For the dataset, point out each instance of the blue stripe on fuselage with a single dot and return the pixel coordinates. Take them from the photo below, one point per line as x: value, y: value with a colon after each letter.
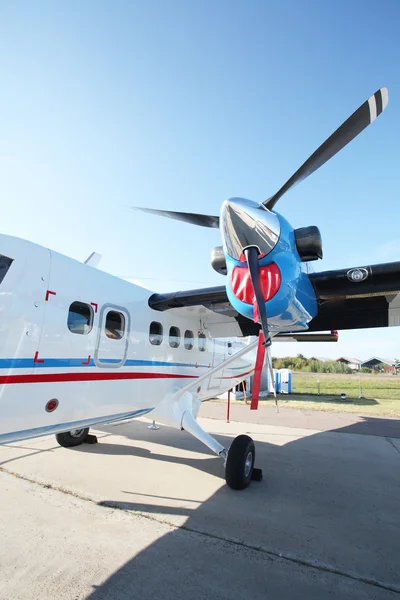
x: 28, y: 363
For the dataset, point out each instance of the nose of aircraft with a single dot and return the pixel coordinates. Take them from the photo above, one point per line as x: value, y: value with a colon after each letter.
x: 245, y: 223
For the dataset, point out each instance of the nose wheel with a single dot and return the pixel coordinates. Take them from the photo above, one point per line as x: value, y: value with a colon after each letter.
x: 240, y: 462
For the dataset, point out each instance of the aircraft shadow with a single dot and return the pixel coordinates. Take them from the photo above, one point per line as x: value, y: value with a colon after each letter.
x: 322, y: 522
x: 212, y: 465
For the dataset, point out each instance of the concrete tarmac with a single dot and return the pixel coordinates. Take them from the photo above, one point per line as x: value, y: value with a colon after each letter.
x: 145, y: 514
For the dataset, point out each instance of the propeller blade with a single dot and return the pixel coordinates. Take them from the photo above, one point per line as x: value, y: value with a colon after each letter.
x: 193, y: 218
x: 354, y: 125
x: 251, y: 254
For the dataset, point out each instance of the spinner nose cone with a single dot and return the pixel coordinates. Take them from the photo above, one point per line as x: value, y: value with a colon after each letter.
x: 245, y: 223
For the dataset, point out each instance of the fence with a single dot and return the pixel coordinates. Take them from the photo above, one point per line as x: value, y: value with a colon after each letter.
x: 355, y: 385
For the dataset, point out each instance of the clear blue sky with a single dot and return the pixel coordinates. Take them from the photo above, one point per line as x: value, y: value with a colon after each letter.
x: 182, y: 104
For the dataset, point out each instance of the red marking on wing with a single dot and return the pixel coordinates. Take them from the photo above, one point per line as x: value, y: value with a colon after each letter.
x: 36, y: 358
x: 50, y: 293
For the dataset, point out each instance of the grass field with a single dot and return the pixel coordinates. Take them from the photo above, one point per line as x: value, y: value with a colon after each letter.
x: 380, y: 393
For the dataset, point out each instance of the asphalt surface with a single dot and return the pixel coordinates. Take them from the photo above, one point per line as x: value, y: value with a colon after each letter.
x: 305, y: 419
x: 146, y: 514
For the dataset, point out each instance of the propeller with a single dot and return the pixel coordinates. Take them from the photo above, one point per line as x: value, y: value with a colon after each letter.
x: 251, y: 230
x: 251, y: 254
x: 260, y: 312
x: 193, y: 218
x: 350, y: 129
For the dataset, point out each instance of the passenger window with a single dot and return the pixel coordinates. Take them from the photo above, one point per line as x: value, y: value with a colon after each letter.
x: 115, y: 325
x: 80, y: 318
x: 174, y: 337
x: 202, y: 342
x: 156, y: 333
x: 188, y: 339
x: 229, y: 347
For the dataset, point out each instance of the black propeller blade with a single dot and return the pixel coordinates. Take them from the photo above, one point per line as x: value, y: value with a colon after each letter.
x: 251, y: 253
x: 358, y: 121
x: 264, y: 341
x: 193, y: 218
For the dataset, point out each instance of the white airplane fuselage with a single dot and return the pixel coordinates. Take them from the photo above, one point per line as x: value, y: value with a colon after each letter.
x: 56, y: 377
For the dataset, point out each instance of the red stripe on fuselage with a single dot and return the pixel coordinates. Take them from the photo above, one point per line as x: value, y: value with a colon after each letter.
x: 65, y: 377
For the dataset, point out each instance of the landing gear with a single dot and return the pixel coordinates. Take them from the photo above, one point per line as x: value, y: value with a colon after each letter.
x: 240, y: 462
x: 76, y: 437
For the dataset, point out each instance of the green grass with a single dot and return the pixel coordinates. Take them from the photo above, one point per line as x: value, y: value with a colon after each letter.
x: 380, y: 393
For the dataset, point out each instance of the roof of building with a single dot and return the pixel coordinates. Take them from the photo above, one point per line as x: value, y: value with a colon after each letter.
x: 386, y: 361
x: 355, y: 361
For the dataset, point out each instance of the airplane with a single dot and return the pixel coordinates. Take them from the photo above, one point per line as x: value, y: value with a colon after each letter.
x: 80, y: 347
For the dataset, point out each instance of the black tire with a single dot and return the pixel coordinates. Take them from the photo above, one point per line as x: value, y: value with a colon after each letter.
x: 72, y: 438
x: 240, y: 462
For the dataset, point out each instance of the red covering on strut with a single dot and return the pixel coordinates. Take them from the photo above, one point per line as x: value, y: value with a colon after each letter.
x: 257, y: 372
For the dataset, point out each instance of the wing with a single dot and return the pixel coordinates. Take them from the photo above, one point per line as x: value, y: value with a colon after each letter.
x: 213, y: 307
x: 356, y: 298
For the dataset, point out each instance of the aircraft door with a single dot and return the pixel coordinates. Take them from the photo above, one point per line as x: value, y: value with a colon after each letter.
x: 112, y: 337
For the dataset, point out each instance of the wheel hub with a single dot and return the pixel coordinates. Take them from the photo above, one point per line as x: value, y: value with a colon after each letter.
x: 76, y: 433
x: 248, y: 463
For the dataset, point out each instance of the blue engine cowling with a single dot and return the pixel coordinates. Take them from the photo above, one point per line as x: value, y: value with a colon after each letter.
x: 294, y: 304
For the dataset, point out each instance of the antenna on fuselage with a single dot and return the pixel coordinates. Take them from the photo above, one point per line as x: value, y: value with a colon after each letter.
x: 93, y: 260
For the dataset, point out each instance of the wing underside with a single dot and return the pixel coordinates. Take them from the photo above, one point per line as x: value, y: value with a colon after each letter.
x: 356, y: 298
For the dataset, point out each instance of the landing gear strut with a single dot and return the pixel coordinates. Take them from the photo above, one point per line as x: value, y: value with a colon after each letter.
x: 239, y: 459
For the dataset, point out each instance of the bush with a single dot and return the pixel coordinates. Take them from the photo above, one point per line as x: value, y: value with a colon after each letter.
x: 301, y: 363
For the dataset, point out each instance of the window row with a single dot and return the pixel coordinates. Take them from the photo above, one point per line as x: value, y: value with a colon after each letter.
x: 156, y: 337
x: 81, y: 316
x: 80, y: 321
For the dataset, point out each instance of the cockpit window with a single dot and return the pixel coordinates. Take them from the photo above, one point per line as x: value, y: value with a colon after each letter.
x: 5, y: 264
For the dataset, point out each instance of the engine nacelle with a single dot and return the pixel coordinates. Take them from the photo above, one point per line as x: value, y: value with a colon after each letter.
x: 218, y: 261
x: 308, y: 243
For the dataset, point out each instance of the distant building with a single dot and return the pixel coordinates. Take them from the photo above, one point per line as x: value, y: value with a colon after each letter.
x: 352, y: 363
x: 379, y: 364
